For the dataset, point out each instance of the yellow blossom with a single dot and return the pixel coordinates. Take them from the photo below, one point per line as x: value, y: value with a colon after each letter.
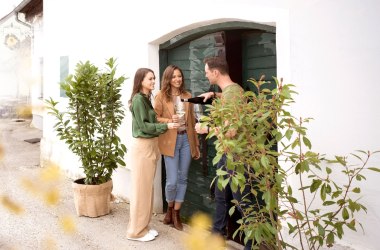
x: 30, y: 186
x: 51, y: 197
x: 200, y: 237
x: 51, y: 173
x: 68, y: 224
x: 11, y: 205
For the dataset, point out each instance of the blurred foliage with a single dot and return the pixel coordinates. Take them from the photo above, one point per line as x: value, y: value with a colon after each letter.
x: 24, y: 111
x: 11, y: 205
x: 68, y: 224
x: 46, y: 184
x: 199, y: 237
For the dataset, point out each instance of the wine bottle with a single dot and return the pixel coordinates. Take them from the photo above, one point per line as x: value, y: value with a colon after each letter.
x: 198, y: 100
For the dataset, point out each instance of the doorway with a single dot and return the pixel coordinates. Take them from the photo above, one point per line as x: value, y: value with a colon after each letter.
x: 250, y: 50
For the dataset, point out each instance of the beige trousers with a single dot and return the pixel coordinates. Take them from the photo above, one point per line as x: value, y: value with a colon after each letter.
x: 145, y: 154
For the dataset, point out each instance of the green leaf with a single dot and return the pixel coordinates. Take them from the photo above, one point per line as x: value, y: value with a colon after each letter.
x: 221, y: 172
x: 232, y: 210
x: 216, y: 159
x: 345, y: 214
x: 358, y: 157
x: 321, y: 230
x: 323, y: 192
x: 290, y: 191
x: 374, y: 169
x: 288, y: 134
x: 341, y: 160
x: 121, y: 162
x: 339, y: 230
x: 356, y: 190
x: 264, y: 161
x: 315, y: 185
x: 306, y: 142
x: 328, y: 203
x: 292, y: 199
x: 358, y: 177
x: 330, y: 239
x: 258, y: 234
x: 295, y: 143
x: 291, y: 228
x: 225, y: 182
x: 328, y: 170
x: 351, y: 225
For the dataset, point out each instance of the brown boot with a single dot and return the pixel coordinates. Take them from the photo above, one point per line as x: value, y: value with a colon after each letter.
x: 168, y: 216
x: 177, y: 220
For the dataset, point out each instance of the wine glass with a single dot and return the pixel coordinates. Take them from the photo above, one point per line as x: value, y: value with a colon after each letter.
x: 198, y: 111
x: 180, y: 111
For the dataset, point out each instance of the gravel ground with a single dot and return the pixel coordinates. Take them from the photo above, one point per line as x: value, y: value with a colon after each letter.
x: 39, y: 225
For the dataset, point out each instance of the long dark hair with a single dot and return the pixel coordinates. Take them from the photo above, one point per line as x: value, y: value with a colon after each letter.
x: 165, y: 82
x: 137, y: 82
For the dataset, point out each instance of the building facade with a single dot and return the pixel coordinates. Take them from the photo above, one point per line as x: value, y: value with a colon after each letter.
x: 328, y: 49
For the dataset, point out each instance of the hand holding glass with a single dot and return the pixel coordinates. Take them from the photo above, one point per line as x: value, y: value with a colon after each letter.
x: 180, y: 111
x: 198, y: 111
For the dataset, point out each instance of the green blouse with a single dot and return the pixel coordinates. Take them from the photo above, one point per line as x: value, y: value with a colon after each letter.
x: 144, y: 118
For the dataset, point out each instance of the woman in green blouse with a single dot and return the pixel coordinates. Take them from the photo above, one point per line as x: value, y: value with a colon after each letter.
x: 145, y: 154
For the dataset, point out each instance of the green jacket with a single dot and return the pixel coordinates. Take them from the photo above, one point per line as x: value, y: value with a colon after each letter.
x: 144, y: 119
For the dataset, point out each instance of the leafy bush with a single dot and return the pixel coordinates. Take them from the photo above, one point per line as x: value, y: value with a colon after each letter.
x: 94, y: 113
x: 275, y: 147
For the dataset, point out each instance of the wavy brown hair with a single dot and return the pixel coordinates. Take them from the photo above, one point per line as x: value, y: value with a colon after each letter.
x: 137, y: 82
x: 165, y: 82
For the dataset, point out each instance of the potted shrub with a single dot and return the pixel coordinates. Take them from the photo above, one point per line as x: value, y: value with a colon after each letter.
x: 89, y: 127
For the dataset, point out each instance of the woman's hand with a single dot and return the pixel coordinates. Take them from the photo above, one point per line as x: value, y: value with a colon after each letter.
x: 200, y: 129
x: 175, y: 118
x: 197, y: 153
x: 173, y: 125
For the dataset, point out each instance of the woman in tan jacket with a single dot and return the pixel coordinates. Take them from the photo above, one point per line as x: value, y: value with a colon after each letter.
x: 177, y: 146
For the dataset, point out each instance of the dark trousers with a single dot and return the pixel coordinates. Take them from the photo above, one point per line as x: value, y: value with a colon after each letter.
x: 223, y: 203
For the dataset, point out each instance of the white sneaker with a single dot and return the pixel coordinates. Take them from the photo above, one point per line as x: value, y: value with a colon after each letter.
x: 147, y: 237
x: 153, y: 232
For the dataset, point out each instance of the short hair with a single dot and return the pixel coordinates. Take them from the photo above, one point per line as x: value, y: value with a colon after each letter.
x: 217, y: 62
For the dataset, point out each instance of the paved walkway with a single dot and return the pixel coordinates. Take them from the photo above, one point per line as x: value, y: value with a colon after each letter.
x: 40, y: 225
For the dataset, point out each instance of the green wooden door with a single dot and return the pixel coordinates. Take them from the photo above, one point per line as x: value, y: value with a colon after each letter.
x: 258, y: 57
x: 253, y: 53
x: 189, y: 57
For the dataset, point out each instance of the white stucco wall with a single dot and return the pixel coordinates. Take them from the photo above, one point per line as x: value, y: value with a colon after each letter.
x: 328, y: 49
x: 14, y: 64
x: 37, y: 50
x: 334, y: 61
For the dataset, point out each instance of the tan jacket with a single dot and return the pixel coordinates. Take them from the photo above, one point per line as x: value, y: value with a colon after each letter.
x: 167, y: 140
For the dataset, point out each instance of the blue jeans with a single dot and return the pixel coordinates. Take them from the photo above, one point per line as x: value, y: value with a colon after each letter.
x: 223, y: 203
x: 177, y: 169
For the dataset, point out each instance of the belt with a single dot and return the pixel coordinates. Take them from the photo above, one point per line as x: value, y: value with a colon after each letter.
x: 181, y: 132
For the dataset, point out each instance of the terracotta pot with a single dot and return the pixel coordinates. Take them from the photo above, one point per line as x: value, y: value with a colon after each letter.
x: 92, y: 200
